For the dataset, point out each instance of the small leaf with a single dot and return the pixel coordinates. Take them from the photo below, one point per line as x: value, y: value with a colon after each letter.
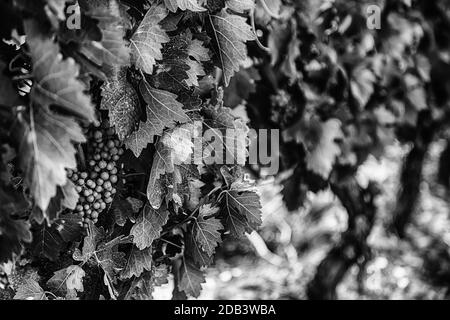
x: 137, y: 262
x: 122, y: 102
x: 30, y: 290
x: 319, y: 140
x: 207, y: 229
x: 47, y: 242
x: 148, y: 226
x: 242, y: 211
x: 191, y: 279
x: 67, y: 281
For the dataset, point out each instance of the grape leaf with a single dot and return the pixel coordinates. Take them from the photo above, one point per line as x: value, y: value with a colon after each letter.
x: 122, y: 102
x: 319, y: 140
x: 47, y: 242
x: 146, y: 42
x: 362, y: 85
x: 66, y: 197
x: 174, y: 148
x: 46, y: 151
x: 69, y: 226
x: 173, y: 69
x: 30, y: 290
x: 112, y: 50
x: 192, y: 5
x: 148, y: 226
x: 207, y: 229
x: 58, y: 7
x: 137, y: 262
x: 67, y: 281
x: 194, y: 251
x: 163, y: 111
x: 142, y: 287
x: 191, y: 279
x: 230, y: 33
x: 12, y: 234
x: 124, y: 209
x: 242, y: 211
x: 162, y: 164
x: 55, y: 80
x: 197, y: 54
x: 240, y: 5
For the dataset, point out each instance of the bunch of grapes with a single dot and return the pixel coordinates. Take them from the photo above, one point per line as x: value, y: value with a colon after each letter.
x: 96, y: 184
x: 283, y: 110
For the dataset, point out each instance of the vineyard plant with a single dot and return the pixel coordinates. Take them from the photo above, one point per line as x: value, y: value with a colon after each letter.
x: 126, y: 129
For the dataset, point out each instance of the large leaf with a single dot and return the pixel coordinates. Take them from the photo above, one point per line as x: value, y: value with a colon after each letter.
x: 148, y: 226
x: 192, y: 5
x: 46, y: 151
x: 163, y: 111
x: 230, y: 33
x: 55, y: 79
x: 122, y: 102
x: 146, y: 42
x: 112, y: 49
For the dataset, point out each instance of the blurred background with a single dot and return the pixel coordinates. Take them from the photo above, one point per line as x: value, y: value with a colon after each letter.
x: 281, y: 260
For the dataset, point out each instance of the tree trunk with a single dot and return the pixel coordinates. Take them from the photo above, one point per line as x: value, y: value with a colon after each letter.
x: 353, y: 245
x: 411, y: 175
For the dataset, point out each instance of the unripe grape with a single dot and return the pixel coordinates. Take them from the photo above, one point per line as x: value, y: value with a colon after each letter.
x: 104, y: 175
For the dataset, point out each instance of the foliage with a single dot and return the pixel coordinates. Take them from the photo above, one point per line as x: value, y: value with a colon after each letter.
x: 146, y: 72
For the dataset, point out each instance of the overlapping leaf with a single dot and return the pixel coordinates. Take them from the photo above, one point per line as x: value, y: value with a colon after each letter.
x: 242, y: 211
x: 46, y: 150
x: 191, y: 279
x: 55, y: 79
x: 163, y: 111
x: 137, y: 262
x: 122, y: 102
x: 148, y: 226
x: 192, y: 5
x: 207, y: 229
x: 67, y: 281
x: 112, y: 49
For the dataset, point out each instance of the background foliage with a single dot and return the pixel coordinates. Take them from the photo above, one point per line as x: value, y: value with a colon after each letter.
x: 95, y: 121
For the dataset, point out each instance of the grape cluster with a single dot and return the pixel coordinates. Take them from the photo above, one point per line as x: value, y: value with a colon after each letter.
x: 283, y: 110
x: 96, y: 184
